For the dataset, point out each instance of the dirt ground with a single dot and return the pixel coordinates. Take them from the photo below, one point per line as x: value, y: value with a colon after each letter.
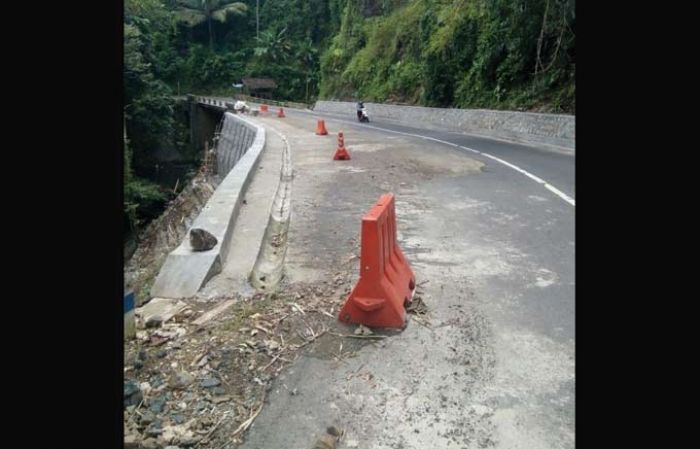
x: 201, y: 386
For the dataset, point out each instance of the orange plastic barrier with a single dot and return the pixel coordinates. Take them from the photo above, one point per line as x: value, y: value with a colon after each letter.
x: 281, y: 113
x: 321, y: 128
x: 386, y: 281
x: 263, y: 108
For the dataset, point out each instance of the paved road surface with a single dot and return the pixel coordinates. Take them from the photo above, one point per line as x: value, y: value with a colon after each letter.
x: 495, y: 367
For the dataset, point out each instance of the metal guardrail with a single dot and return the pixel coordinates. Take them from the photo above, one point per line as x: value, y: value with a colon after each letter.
x: 284, y: 104
x: 225, y: 104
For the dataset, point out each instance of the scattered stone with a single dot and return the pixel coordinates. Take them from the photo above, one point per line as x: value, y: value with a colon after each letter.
x: 132, y: 394
x: 161, y: 354
x: 154, y: 321
x: 202, y: 240
x: 363, y: 330
x: 210, y: 382
x: 130, y: 388
x: 147, y: 417
x: 149, y: 443
x: 176, y: 434
x: 154, y: 430
x: 181, y: 380
x: 203, y: 361
x: 159, y: 311
x: 328, y: 440
x: 179, y: 419
x: 218, y: 391
x: 157, y: 340
x: 138, y: 364
x: 143, y: 356
x: 170, y: 333
x: 131, y: 441
x: 157, y: 404
x: 191, y: 441
x: 417, y: 306
x: 220, y: 399
x: 214, y: 312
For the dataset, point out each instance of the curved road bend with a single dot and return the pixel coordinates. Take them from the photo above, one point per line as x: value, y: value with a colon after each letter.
x: 496, y: 368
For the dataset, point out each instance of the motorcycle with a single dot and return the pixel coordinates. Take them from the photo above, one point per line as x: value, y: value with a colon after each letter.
x: 362, y: 116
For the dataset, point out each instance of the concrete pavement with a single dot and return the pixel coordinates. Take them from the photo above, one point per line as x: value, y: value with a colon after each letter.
x: 495, y: 366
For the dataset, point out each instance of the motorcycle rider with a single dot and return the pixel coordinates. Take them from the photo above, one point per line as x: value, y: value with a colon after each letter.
x: 360, y: 107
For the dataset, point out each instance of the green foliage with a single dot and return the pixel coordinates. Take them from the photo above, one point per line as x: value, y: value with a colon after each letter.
x: 499, y: 54
x: 143, y: 200
x: 196, y: 12
x: 273, y: 47
x: 148, y: 114
x: 511, y: 54
x: 141, y: 197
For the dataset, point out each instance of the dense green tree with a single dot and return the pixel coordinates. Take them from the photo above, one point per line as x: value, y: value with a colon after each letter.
x: 273, y: 46
x: 498, y: 54
x: 148, y: 111
x: 196, y: 12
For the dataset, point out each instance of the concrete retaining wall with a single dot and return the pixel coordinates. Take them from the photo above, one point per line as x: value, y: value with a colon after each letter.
x: 186, y: 271
x: 552, y: 130
x: 236, y: 137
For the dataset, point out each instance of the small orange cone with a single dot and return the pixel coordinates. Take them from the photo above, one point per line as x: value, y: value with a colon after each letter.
x: 321, y: 128
x: 263, y: 108
x: 341, y: 153
x: 281, y: 113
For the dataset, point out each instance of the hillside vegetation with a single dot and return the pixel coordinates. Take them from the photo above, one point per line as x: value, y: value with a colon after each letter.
x: 499, y: 54
x: 496, y: 54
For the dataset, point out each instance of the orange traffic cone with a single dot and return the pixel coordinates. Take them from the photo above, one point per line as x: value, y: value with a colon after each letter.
x: 321, y: 128
x: 281, y: 113
x: 341, y: 153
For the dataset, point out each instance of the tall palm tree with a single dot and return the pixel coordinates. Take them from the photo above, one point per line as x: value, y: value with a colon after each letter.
x: 195, y: 12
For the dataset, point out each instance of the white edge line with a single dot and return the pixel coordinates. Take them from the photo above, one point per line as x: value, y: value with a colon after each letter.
x: 548, y: 186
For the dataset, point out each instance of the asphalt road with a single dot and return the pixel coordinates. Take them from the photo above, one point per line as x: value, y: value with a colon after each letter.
x: 545, y: 222
x: 498, y: 247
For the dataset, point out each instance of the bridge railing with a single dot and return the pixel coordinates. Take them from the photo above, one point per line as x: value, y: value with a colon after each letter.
x: 223, y: 103
x: 284, y: 104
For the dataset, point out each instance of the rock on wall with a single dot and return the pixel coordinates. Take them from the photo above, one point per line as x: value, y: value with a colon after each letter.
x: 185, y: 271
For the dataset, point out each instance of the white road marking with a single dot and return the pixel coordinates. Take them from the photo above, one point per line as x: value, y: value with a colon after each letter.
x: 548, y: 186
